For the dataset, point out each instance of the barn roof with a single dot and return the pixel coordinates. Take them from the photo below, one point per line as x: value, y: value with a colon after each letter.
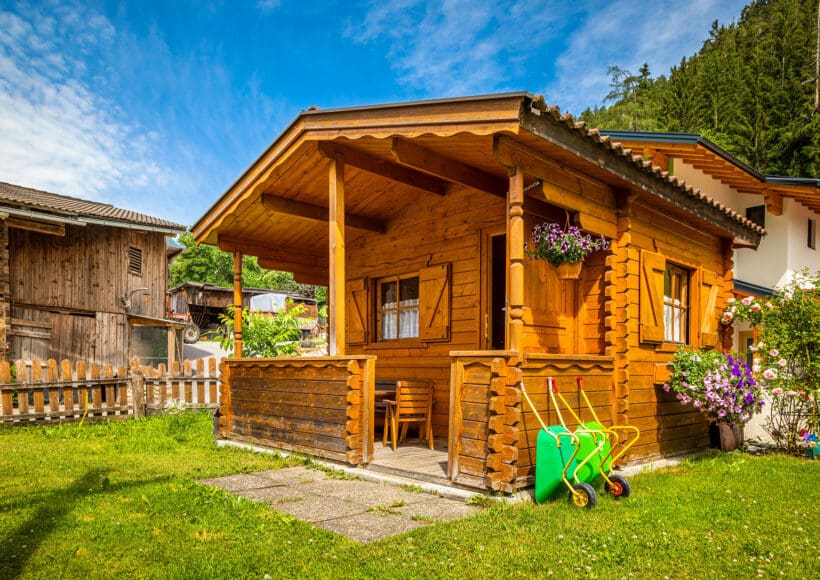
x: 395, y: 152
x: 26, y: 202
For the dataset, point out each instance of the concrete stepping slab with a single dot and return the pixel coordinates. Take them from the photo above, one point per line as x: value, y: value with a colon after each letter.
x: 362, y: 510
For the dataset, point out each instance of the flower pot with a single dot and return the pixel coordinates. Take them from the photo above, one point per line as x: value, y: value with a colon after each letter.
x: 726, y: 436
x: 813, y: 452
x: 569, y: 270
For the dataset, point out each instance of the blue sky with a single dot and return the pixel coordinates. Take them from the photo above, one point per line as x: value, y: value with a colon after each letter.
x: 159, y: 107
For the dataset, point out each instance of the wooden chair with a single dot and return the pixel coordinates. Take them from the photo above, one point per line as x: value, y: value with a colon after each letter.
x: 413, y: 404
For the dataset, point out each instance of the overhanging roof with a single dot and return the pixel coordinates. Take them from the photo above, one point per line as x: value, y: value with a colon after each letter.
x: 718, y: 163
x: 395, y: 152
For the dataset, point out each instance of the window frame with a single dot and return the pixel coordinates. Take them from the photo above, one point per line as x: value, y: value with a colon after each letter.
x: 677, y: 304
x: 380, y: 310
x: 811, y: 241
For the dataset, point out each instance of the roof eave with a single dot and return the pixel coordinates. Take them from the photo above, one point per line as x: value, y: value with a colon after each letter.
x: 548, y: 125
x: 684, y: 139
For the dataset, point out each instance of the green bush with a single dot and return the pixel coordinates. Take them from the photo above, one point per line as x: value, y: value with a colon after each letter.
x: 264, y: 335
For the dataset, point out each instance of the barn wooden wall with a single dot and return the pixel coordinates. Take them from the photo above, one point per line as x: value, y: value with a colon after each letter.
x: 66, y: 291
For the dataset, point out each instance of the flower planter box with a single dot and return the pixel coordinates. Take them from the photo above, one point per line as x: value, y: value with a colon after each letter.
x: 813, y: 452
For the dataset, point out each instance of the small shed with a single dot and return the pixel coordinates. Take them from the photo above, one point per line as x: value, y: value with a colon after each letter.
x: 82, y: 280
x: 420, y: 213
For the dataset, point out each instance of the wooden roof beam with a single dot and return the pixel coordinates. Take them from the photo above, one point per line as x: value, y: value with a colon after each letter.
x: 277, y: 254
x: 309, y: 211
x: 35, y: 226
x: 371, y: 164
x: 773, y: 201
x: 412, y: 155
x: 301, y: 274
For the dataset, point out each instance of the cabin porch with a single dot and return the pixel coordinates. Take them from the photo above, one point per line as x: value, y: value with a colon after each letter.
x: 324, y: 407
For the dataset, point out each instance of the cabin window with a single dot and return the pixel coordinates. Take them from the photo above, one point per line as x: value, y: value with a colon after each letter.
x: 135, y: 261
x: 812, y: 238
x: 675, y: 304
x: 398, y: 308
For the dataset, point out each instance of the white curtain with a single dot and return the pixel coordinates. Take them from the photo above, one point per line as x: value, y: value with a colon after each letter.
x: 409, y: 319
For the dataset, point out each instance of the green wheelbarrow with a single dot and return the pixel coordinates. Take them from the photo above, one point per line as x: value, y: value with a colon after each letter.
x: 560, y: 457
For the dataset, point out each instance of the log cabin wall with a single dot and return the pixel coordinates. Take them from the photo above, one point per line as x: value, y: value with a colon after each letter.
x: 434, y: 232
x: 647, y: 240
x: 66, y: 291
x: 485, y: 420
x: 322, y: 406
x: 493, y: 431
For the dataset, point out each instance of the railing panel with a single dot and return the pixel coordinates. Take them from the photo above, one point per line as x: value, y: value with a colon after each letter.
x: 321, y: 406
x: 492, y: 434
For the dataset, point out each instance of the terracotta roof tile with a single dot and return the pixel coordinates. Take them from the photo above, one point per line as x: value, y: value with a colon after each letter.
x: 63, y: 205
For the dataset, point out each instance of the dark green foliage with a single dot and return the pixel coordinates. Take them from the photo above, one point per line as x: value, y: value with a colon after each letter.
x: 750, y: 89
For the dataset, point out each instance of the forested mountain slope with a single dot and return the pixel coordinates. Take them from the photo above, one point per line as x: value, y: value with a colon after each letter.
x: 752, y: 89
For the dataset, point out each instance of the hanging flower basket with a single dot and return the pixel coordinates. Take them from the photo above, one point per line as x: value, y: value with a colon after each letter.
x: 563, y: 248
x: 569, y: 270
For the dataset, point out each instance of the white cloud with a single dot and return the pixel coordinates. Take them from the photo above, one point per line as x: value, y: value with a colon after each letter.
x: 460, y: 47
x: 268, y: 5
x: 56, y: 133
x: 457, y: 47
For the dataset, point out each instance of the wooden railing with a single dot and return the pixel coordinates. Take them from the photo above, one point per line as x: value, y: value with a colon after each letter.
x: 321, y: 406
x: 36, y: 391
x: 492, y: 432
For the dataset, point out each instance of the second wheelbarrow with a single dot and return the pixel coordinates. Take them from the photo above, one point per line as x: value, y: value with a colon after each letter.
x: 619, y: 439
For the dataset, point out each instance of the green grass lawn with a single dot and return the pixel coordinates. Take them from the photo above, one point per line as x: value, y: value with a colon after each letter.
x: 121, y: 499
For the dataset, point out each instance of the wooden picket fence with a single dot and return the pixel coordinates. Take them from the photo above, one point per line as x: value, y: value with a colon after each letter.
x: 192, y: 385
x: 44, y: 392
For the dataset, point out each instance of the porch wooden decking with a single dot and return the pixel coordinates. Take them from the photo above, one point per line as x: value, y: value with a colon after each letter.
x: 413, y: 460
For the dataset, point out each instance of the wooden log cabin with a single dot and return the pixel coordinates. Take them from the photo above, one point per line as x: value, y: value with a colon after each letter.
x: 420, y: 212
x: 82, y: 280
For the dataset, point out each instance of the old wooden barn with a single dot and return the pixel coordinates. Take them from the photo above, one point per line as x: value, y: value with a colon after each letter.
x: 419, y: 213
x: 81, y: 280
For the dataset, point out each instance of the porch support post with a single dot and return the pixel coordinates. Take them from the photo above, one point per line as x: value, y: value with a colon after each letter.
x: 336, y: 285
x: 515, y: 260
x: 237, y: 304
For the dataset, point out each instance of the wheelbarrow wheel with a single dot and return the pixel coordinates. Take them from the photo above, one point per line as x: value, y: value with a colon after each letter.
x: 619, y: 487
x: 583, y: 495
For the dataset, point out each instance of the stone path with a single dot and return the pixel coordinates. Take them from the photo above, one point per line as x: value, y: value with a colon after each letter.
x: 362, y: 510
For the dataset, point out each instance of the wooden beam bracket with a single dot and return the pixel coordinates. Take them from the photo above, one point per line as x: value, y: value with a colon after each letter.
x: 309, y: 211
x: 389, y: 170
x: 412, y: 155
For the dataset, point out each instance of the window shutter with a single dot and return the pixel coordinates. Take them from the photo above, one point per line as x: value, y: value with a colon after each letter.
x: 356, y: 308
x: 709, y: 287
x: 434, y: 302
x: 651, y: 305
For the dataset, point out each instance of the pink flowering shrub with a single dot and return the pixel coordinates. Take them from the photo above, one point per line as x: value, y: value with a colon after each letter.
x: 719, y: 386
x: 787, y: 358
